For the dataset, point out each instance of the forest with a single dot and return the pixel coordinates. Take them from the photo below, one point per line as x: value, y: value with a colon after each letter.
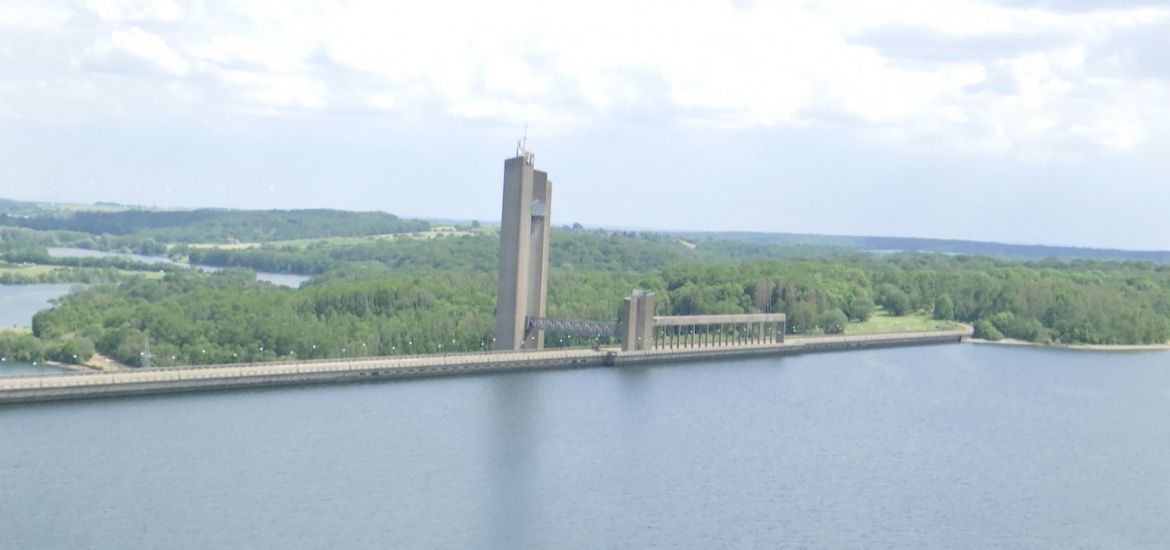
x: 416, y: 295
x: 149, y: 231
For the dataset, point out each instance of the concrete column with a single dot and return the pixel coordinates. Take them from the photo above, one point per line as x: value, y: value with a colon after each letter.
x: 628, y: 329
x: 523, y: 275
x: 540, y: 210
x: 645, y: 312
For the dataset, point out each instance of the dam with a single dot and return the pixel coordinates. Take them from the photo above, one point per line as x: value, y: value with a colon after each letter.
x: 641, y: 334
x: 85, y: 385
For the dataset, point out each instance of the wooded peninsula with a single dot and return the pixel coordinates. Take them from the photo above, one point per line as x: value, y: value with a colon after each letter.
x: 382, y: 285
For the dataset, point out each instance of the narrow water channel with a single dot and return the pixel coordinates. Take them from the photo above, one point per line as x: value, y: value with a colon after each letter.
x: 283, y: 279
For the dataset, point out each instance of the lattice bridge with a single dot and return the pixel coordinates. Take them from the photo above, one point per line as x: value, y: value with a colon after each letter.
x: 591, y: 329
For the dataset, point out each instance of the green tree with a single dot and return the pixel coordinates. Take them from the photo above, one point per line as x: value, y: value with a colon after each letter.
x: 895, y: 300
x: 860, y: 306
x: 832, y: 321
x: 944, y: 308
x: 986, y: 330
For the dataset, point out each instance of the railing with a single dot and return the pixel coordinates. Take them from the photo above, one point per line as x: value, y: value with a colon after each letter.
x: 795, y: 343
x: 423, y: 362
x: 284, y: 368
x: 879, y: 337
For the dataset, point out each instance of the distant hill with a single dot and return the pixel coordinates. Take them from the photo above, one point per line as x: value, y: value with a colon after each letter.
x: 209, y: 224
x: 947, y: 246
x: 204, y: 225
x: 18, y: 208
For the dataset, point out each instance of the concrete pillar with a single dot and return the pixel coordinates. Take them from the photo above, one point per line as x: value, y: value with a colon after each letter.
x: 645, y: 319
x: 637, y: 326
x: 524, y: 226
x: 628, y: 328
x: 538, y: 253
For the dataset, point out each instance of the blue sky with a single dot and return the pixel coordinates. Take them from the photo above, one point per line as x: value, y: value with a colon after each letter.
x: 1018, y: 121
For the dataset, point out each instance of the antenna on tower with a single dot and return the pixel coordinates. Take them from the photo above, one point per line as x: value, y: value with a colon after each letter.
x: 522, y: 148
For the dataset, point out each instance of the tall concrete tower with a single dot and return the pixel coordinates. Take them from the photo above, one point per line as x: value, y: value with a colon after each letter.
x: 524, y: 228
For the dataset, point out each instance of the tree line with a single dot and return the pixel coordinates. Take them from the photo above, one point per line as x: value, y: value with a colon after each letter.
x: 370, y: 308
x: 149, y: 231
x: 438, y: 295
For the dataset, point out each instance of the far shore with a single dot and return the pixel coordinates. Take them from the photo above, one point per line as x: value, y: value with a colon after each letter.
x: 1087, y: 347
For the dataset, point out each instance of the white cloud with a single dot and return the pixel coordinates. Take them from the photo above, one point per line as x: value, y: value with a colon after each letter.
x: 281, y: 91
x: 772, y: 63
x: 25, y: 14
x: 135, y: 51
x: 237, y: 52
x: 5, y: 112
x: 135, y: 10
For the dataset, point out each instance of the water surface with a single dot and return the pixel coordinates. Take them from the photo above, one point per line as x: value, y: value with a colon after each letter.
x: 950, y: 446
x: 282, y: 279
x: 62, y: 252
x: 18, y: 303
x: 18, y: 368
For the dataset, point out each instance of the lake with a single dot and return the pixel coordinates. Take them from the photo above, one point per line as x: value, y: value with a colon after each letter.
x: 17, y: 368
x: 18, y: 303
x: 282, y: 279
x: 948, y: 446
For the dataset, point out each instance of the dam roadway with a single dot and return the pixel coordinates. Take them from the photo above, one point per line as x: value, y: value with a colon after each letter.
x: 86, y: 385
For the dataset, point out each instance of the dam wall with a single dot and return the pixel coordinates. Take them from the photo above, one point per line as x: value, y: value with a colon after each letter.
x: 86, y: 385
x: 792, y: 345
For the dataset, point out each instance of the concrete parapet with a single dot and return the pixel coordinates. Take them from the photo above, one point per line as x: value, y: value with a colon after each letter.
x: 23, y: 389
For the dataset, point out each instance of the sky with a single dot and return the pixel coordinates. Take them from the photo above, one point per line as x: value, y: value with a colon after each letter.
x: 1036, y: 122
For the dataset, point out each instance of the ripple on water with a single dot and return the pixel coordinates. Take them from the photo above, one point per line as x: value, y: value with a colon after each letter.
x: 949, y: 446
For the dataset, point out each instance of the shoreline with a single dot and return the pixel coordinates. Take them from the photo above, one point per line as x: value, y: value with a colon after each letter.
x: 1077, y: 347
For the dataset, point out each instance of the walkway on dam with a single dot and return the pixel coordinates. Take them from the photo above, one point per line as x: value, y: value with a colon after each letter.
x: 176, y: 379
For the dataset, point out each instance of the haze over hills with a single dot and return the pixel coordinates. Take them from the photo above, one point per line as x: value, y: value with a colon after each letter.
x: 116, y: 218
x: 948, y: 246
x: 373, y: 278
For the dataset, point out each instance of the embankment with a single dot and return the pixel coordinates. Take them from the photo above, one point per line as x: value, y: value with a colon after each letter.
x: 85, y: 385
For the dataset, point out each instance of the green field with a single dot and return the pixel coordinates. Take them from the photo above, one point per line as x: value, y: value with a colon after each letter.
x: 37, y: 270
x: 333, y: 241
x: 31, y: 270
x: 884, y: 322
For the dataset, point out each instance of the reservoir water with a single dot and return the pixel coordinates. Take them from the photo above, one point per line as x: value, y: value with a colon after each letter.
x: 18, y: 303
x: 16, y: 368
x: 950, y: 446
x: 282, y: 279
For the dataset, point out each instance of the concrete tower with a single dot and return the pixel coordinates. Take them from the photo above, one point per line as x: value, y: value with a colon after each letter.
x: 524, y: 227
